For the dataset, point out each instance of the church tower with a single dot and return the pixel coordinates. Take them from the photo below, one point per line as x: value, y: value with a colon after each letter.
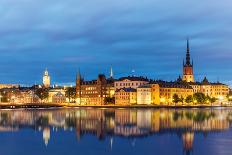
x: 78, y: 87
x: 46, y: 79
x: 188, y: 67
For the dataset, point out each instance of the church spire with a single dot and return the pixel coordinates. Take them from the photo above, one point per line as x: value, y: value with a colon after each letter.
x: 111, y: 72
x: 188, y: 54
x: 78, y: 78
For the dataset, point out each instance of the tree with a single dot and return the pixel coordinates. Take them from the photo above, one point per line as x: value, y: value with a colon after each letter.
x: 229, y: 97
x: 213, y: 99
x: 199, y: 97
x: 189, y: 99
x: 42, y: 93
x: 70, y: 92
x: 181, y: 99
x: 109, y: 100
x: 175, y: 98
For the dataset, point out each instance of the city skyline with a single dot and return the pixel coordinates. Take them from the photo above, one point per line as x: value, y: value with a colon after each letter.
x: 66, y: 36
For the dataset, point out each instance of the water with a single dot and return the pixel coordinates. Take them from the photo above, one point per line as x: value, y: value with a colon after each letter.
x: 116, y: 131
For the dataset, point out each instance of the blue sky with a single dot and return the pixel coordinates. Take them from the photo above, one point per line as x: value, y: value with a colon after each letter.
x: 148, y: 36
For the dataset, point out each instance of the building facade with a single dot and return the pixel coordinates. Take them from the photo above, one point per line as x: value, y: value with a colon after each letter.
x: 130, y: 82
x: 46, y: 79
x: 144, y: 94
x: 93, y: 92
x: 217, y: 89
x: 125, y: 96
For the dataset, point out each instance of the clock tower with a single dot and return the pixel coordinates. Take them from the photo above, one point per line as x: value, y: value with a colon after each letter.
x: 188, y: 67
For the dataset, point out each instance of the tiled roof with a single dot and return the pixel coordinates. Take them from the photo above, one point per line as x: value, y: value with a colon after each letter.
x: 126, y: 90
x: 134, y: 78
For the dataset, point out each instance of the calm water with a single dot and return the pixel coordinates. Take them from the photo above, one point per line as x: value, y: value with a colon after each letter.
x: 120, y: 131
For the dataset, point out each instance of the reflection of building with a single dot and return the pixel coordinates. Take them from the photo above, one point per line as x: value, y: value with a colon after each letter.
x: 188, y: 67
x: 188, y: 138
x: 134, y: 123
x: 93, y: 92
x: 46, y: 135
x: 46, y: 79
x: 125, y: 96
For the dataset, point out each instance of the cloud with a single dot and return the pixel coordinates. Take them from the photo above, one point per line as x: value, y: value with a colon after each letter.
x: 147, y: 35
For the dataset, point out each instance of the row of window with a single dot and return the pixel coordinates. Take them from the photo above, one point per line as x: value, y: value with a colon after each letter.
x: 129, y: 84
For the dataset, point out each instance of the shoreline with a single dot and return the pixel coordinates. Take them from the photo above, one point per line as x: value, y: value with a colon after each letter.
x: 49, y: 106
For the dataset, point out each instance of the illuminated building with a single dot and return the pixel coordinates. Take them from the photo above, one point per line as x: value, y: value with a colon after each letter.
x: 58, y: 98
x: 125, y: 96
x: 168, y: 89
x: 217, y: 90
x: 144, y: 94
x: 54, y: 92
x: 130, y: 82
x: 93, y: 92
x: 188, y: 67
x: 9, y: 86
x: 46, y: 79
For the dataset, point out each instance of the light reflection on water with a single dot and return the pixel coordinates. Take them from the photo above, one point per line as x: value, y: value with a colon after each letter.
x: 116, y: 131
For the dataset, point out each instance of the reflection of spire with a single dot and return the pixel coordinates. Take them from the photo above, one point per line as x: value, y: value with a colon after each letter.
x: 111, y: 143
x: 46, y: 135
x: 133, y: 142
x: 188, y: 138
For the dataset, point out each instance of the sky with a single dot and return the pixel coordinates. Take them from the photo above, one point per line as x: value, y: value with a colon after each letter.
x: 147, y: 36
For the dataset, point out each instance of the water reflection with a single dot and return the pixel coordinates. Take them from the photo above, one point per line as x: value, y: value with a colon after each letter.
x: 124, y: 123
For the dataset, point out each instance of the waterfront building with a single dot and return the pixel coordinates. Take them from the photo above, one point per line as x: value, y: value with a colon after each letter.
x: 217, y: 89
x: 58, y: 98
x: 125, y: 96
x: 144, y: 94
x: 9, y: 86
x: 130, y: 82
x: 168, y: 89
x: 28, y: 97
x: 188, y: 75
x: 93, y: 92
x: 54, y: 93
x: 46, y: 79
x: 163, y: 91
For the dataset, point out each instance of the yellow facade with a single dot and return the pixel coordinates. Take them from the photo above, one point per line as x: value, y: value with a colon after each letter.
x: 124, y: 97
x: 217, y: 90
x: 144, y: 95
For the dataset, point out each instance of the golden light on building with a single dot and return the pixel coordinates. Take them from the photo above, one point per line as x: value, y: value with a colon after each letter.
x: 162, y: 100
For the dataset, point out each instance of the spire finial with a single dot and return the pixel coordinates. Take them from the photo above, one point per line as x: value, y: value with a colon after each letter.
x: 188, y: 54
x: 79, y: 75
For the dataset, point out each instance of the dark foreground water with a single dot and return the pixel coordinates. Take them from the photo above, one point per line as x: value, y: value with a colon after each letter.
x: 116, y: 131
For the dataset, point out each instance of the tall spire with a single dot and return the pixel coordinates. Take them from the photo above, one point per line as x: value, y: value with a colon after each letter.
x: 78, y: 75
x: 188, y: 54
x: 111, y: 72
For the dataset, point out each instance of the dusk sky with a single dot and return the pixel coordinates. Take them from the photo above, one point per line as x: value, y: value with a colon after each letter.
x: 148, y: 36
